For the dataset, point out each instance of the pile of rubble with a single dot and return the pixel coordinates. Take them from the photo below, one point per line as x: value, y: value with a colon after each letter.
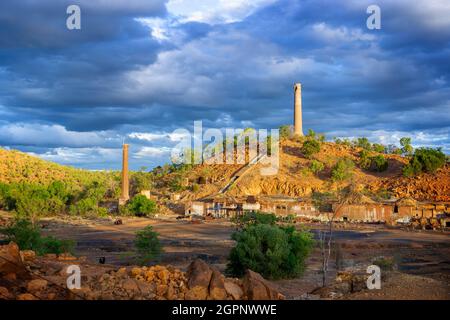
x: 23, y: 276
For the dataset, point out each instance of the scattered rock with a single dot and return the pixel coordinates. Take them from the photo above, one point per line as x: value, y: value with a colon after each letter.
x: 36, y: 285
x: 26, y: 296
x: 130, y: 285
x: 4, y: 293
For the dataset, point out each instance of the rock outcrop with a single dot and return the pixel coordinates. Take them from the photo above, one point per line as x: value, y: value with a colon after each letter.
x: 44, y: 278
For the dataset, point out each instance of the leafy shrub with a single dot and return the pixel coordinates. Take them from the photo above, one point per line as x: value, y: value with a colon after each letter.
x: 385, y: 264
x: 175, y: 184
x: 141, y: 206
x: 363, y: 143
x: 275, y: 252
x: 424, y: 160
x: 364, y: 160
x: 147, y: 245
x: 316, y: 166
x: 311, y: 134
x: 378, y: 163
x: 28, y: 237
x: 285, y: 131
x: 342, y: 170
x: 321, y: 137
x: 310, y: 147
x: 257, y: 217
x: 377, y: 147
x: 85, y: 207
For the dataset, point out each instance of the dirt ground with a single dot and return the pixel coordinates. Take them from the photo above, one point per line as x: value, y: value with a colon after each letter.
x: 421, y: 258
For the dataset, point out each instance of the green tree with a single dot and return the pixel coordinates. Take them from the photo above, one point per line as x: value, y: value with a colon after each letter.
x: 275, y: 252
x: 424, y: 160
x: 407, y: 148
x: 147, y: 245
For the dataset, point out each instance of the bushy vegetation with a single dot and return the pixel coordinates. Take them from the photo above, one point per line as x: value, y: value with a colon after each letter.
x: 316, y: 166
x: 141, y: 180
x: 363, y: 142
x: 407, y: 148
x: 275, y: 252
x: 310, y: 147
x: 141, y: 206
x: 147, y: 245
x: 377, y: 147
x: 28, y: 237
x: 378, y: 163
x: 342, y: 170
x: 257, y: 217
x: 285, y: 131
x: 424, y: 160
x: 375, y: 163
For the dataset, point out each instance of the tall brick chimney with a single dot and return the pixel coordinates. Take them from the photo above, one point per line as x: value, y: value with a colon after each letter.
x: 125, y: 196
x: 298, y: 126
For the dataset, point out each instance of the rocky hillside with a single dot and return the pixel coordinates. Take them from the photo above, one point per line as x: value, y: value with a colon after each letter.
x: 296, y: 179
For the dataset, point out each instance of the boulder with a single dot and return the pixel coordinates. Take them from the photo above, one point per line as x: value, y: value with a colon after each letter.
x: 130, y: 285
x: 36, y: 285
x: 257, y: 288
x: 4, y: 294
x: 233, y: 290
x: 199, y: 276
x: 217, y: 286
x: 11, y: 260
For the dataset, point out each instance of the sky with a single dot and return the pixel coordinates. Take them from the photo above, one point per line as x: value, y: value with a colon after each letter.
x: 138, y: 70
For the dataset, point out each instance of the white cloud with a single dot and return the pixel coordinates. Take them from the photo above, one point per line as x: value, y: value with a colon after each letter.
x: 48, y: 135
x: 147, y: 136
x: 152, y: 152
x: 84, y: 156
x: 339, y: 34
x: 215, y: 11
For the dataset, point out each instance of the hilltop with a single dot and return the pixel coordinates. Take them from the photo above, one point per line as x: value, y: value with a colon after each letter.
x: 17, y: 167
x: 296, y: 179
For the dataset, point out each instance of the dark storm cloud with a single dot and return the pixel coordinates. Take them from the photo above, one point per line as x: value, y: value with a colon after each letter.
x: 65, y: 92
